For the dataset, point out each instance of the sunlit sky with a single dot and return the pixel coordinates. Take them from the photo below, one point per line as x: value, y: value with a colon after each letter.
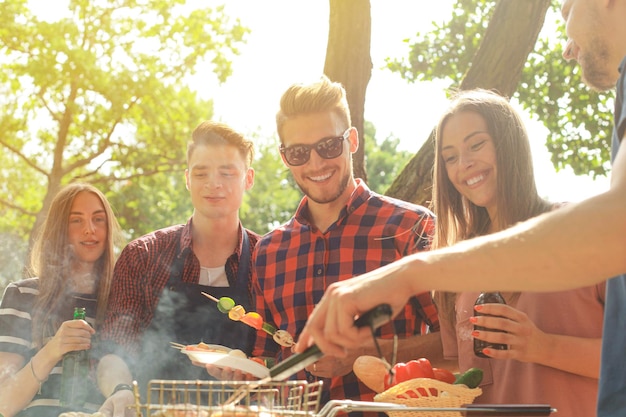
x: 287, y: 44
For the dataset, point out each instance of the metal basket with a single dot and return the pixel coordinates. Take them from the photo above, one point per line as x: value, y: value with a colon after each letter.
x: 172, y: 398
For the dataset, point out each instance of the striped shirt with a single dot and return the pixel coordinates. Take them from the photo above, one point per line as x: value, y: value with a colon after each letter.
x: 16, y: 310
x: 297, y: 262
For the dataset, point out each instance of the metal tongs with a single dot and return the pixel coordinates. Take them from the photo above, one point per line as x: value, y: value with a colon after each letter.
x: 374, y: 318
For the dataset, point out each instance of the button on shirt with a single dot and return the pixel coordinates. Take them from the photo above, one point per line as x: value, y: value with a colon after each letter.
x: 295, y: 263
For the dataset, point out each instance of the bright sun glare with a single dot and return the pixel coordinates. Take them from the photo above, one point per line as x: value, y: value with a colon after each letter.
x: 288, y: 43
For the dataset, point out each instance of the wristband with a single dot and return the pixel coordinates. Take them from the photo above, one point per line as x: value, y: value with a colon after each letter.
x: 121, y: 387
x: 32, y: 370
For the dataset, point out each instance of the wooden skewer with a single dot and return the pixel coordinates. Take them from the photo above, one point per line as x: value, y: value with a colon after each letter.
x: 210, y: 297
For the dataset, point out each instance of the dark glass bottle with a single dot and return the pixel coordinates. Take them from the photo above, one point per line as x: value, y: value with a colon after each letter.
x: 479, y: 345
x: 75, y: 373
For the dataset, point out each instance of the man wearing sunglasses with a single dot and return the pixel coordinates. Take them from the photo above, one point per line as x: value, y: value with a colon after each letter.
x: 340, y: 229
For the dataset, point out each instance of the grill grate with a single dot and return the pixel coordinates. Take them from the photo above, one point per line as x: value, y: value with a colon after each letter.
x: 172, y: 398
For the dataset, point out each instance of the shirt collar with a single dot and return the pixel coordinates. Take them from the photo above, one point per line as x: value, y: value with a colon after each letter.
x: 185, y: 236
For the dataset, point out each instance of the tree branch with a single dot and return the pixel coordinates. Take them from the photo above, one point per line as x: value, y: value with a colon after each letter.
x: 20, y: 209
x: 55, y: 116
x: 102, y: 146
x: 105, y: 179
x: 497, y: 65
x: 23, y: 157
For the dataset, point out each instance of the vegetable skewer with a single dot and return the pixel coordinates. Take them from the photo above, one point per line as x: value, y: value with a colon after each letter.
x: 227, y: 305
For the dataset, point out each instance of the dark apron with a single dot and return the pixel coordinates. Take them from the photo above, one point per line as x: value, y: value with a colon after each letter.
x: 184, y: 315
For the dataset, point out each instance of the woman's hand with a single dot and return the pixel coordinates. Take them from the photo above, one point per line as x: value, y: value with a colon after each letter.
x: 72, y: 335
x: 525, y: 341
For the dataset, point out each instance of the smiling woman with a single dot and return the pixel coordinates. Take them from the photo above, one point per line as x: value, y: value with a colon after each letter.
x: 469, y: 154
x: 73, y: 259
x: 87, y: 233
x: 484, y: 183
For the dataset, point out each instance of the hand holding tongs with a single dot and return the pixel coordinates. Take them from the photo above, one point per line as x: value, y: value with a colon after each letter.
x: 374, y: 318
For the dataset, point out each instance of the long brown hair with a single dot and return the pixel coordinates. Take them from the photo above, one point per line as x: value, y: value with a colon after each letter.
x: 517, y: 198
x: 51, y: 261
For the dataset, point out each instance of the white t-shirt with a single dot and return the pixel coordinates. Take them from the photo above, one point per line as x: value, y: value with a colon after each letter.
x: 213, y: 277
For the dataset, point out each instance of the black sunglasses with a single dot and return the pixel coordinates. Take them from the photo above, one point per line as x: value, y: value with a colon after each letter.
x: 327, y: 148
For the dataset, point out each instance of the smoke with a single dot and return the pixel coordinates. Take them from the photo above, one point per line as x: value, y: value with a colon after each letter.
x: 13, y: 251
x: 178, y: 320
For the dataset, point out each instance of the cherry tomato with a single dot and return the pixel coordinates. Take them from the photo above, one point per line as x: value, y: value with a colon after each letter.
x: 444, y: 375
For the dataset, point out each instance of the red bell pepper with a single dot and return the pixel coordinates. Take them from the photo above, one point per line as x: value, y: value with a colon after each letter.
x: 444, y: 375
x: 417, y: 368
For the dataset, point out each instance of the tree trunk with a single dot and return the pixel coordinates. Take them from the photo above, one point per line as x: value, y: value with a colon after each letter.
x: 348, y: 61
x: 497, y: 65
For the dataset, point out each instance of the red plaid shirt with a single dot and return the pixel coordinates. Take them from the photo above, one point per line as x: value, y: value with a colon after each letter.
x: 141, y: 273
x: 295, y: 263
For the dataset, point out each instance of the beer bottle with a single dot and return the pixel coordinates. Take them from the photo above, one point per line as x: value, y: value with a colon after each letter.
x: 479, y: 345
x: 75, y: 373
